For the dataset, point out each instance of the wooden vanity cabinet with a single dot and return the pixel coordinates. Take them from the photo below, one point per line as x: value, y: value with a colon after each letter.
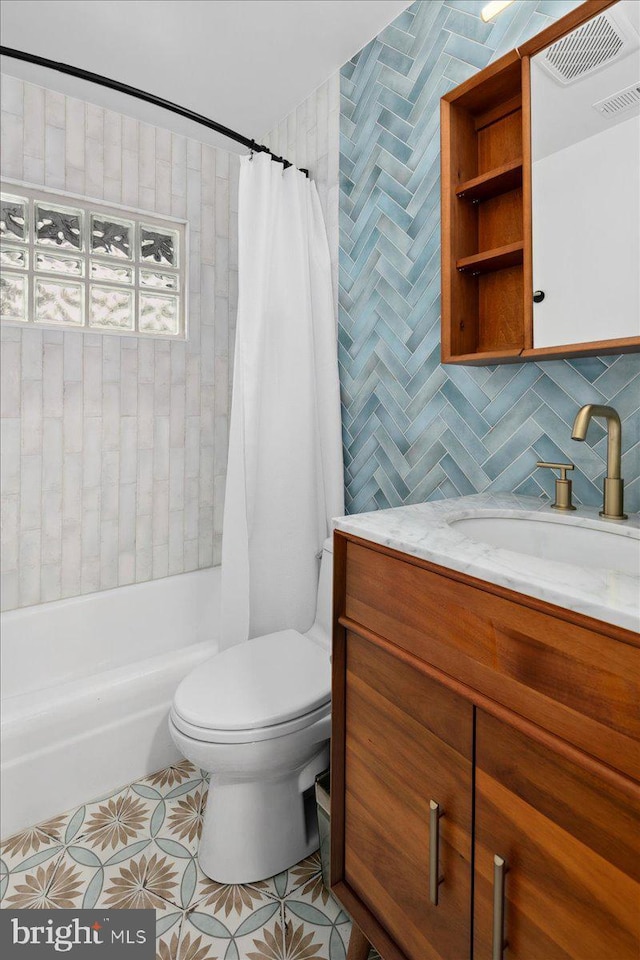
x: 409, y: 744
x: 416, y: 649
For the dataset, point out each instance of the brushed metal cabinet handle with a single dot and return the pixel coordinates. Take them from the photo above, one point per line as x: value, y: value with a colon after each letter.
x: 499, y: 872
x: 434, y: 851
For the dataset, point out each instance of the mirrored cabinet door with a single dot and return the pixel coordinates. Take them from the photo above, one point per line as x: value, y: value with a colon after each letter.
x: 585, y: 177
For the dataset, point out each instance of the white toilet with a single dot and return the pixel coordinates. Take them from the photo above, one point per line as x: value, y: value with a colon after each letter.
x: 258, y: 717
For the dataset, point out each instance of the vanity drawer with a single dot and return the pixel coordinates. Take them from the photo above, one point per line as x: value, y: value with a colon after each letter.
x: 580, y: 682
x: 408, y: 741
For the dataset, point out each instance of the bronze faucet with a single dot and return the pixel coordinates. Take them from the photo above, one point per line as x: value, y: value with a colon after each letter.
x: 612, y: 507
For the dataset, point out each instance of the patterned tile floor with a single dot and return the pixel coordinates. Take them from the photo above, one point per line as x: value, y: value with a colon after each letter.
x: 137, y: 848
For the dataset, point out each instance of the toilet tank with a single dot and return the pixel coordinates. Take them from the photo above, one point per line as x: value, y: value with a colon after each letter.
x: 321, y: 629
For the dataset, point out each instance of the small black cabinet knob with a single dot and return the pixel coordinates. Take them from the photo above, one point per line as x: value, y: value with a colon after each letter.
x: 538, y: 296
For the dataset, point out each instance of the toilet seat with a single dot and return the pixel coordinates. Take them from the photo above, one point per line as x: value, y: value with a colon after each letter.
x: 252, y: 735
x: 264, y: 688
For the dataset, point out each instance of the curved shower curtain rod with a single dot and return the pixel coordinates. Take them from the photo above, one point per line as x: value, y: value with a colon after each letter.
x: 143, y: 95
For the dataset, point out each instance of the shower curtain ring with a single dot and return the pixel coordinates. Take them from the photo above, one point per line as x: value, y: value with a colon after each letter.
x: 254, y: 147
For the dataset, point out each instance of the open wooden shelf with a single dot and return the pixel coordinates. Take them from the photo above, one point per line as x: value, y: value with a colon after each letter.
x: 492, y: 183
x: 485, y: 163
x: 481, y: 357
x: 487, y: 261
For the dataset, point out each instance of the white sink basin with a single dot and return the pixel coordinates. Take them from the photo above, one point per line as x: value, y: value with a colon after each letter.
x: 600, y: 546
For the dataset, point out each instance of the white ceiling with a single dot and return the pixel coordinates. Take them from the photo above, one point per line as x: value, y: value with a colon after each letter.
x: 243, y: 63
x: 563, y: 115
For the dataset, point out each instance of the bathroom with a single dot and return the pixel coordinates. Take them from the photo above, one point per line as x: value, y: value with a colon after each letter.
x: 485, y: 780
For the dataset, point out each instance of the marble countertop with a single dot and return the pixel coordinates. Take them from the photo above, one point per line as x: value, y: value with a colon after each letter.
x: 425, y: 530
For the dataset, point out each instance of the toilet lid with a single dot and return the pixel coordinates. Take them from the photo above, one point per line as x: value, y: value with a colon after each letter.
x: 258, y: 683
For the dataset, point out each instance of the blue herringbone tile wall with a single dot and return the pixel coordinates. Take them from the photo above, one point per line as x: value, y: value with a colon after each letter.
x: 413, y: 429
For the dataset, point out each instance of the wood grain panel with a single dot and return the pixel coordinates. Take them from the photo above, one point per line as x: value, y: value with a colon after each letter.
x: 502, y: 109
x: 370, y: 924
x: 494, y: 182
x: 408, y: 740
x: 489, y: 261
x: 500, y: 220
x: 359, y: 946
x: 338, y: 678
x: 581, y: 682
x: 500, y: 141
x: 500, y: 310
x: 459, y: 231
x: 572, y: 846
x: 496, y: 84
x: 482, y: 357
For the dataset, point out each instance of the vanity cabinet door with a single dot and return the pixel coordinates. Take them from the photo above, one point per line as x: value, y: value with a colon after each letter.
x: 408, y: 742
x: 570, y: 840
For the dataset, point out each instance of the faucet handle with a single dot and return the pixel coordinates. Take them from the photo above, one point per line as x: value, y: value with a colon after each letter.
x: 563, y: 486
x: 562, y: 467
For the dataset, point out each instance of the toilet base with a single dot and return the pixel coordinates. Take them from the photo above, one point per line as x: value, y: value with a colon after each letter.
x: 253, y: 830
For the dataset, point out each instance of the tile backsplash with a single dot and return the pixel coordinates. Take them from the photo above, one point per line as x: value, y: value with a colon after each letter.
x: 413, y: 429
x: 114, y: 448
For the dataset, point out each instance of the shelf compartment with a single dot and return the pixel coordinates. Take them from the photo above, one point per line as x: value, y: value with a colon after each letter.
x: 489, y: 260
x: 492, y: 183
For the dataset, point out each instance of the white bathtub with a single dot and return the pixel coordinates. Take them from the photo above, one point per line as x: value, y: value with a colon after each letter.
x: 86, y: 687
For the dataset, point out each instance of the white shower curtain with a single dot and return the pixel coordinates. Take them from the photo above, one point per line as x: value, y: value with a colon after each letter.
x: 284, y: 474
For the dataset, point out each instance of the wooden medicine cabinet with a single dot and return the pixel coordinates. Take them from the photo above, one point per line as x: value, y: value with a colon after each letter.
x: 488, y: 298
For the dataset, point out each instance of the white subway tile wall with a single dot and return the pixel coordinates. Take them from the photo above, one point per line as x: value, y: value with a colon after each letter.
x: 114, y: 448
x: 310, y: 138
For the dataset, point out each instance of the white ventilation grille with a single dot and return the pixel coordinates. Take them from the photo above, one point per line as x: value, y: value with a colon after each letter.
x: 618, y: 102
x: 584, y: 50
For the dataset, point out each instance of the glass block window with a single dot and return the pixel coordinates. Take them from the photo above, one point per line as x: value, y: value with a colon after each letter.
x: 74, y: 263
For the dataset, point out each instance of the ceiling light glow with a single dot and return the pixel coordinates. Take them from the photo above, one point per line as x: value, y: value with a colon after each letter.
x: 492, y: 9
